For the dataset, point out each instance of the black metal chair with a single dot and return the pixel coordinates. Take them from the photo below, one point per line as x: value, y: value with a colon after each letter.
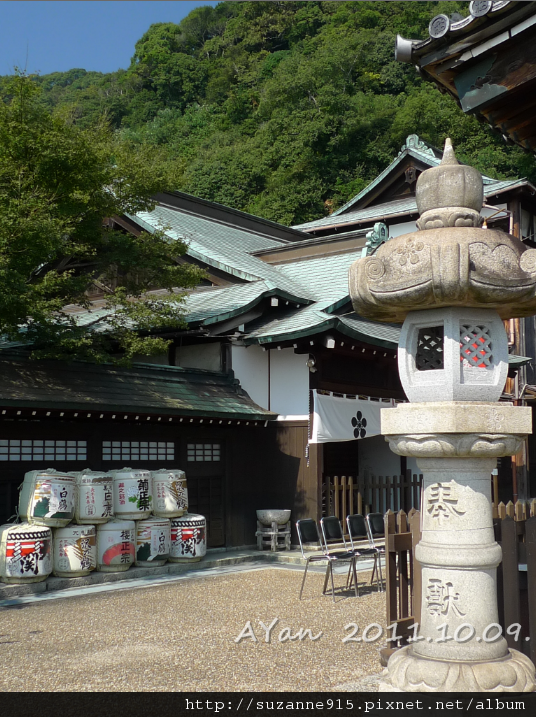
x: 332, y: 533
x: 308, y: 533
x: 376, y: 529
x: 358, y: 530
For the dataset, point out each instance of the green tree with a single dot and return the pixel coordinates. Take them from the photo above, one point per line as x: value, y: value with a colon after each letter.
x: 285, y: 109
x: 58, y: 185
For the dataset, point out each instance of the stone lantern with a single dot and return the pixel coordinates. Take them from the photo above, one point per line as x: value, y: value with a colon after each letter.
x: 452, y: 284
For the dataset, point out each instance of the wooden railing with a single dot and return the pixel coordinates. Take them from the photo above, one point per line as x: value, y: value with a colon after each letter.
x: 515, y: 531
x: 345, y: 495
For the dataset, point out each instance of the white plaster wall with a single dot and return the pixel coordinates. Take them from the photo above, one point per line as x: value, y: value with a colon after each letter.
x: 289, y: 382
x: 376, y: 458
x: 411, y: 464
x: 250, y: 366
x: 395, y: 230
x: 289, y: 378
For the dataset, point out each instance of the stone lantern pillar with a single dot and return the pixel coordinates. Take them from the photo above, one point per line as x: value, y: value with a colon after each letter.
x: 452, y: 284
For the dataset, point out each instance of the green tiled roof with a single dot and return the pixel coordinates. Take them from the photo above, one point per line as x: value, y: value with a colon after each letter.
x: 372, y: 214
x: 381, y: 334
x: 144, y: 388
x: 315, y: 320
x: 211, y: 305
x: 324, y: 277
x: 220, y: 246
x: 397, y: 207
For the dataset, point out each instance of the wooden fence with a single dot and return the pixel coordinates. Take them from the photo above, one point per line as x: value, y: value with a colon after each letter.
x: 515, y: 531
x: 345, y: 495
x: 402, y: 575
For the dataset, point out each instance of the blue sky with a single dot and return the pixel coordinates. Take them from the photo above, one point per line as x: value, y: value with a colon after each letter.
x: 54, y: 36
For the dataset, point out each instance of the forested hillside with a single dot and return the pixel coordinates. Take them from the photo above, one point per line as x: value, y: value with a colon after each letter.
x: 282, y: 109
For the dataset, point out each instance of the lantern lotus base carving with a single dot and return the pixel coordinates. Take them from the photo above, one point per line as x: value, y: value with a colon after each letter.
x: 409, y: 673
x: 461, y: 445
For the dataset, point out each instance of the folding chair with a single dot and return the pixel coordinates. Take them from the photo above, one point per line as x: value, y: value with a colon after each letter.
x: 357, y: 528
x: 376, y: 529
x: 308, y: 533
x: 332, y: 533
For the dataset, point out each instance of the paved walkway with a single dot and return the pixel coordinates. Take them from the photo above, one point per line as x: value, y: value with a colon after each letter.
x: 177, y: 632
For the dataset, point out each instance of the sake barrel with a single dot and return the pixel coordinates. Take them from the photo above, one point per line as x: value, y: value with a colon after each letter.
x: 188, y: 538
x: 47, y: 497
x: 116, y: 545
x: 74, y: 551
x: 170, y: 494
x: 25, y: 553
x: 152, y: 541
x: 94, y: 500
x: 133, y: 495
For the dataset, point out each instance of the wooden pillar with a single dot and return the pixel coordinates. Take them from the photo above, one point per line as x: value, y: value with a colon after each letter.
x: 520, y: 460
x: 316, y: 462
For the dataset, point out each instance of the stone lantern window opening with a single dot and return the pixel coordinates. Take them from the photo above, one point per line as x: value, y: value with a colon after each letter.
x: 453, y: 354
x: 475, y: 346
x: 429, y: 355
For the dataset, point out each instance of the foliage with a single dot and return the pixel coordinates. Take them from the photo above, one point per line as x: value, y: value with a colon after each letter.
x: 284, y: 109
x: 58, y: 181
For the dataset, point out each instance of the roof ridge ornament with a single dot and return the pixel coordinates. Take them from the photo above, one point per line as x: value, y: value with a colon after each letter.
x: 413, y: 141
x: 375, y: 237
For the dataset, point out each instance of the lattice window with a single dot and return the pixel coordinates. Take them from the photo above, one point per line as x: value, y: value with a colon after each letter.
x: 429, y: 349
x: 475, y: 345
x: 204, y: 452
x: 30, y: 450
x: 138, y: 451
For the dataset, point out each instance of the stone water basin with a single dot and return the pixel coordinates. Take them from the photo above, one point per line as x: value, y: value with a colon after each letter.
x: 267, y: 517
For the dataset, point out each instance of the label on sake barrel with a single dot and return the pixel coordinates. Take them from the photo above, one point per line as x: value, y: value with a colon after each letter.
x: 77, y: 551
x: 153, y: 539
x: 116, y: 547
x: 188, y: 539
x: 95, y: 498
x: 53, y: 499
x: 171, y: 494
x: 28, y: 553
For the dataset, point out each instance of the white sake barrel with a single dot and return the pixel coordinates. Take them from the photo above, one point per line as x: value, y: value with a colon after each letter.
x: 133, y: 494
x: 170, y: 494
x: 74, y: 551
x: 188, y: 538
x: 153, y: 537
x: 47, y: 498
x: 94, y: 500
x: 116, y: 545
x: 25, y: 553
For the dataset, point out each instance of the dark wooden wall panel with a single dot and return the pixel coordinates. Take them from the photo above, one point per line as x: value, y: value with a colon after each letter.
x: 229, y: 490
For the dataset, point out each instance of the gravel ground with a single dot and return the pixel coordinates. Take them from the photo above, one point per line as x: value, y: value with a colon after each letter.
x: 181, y: 637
